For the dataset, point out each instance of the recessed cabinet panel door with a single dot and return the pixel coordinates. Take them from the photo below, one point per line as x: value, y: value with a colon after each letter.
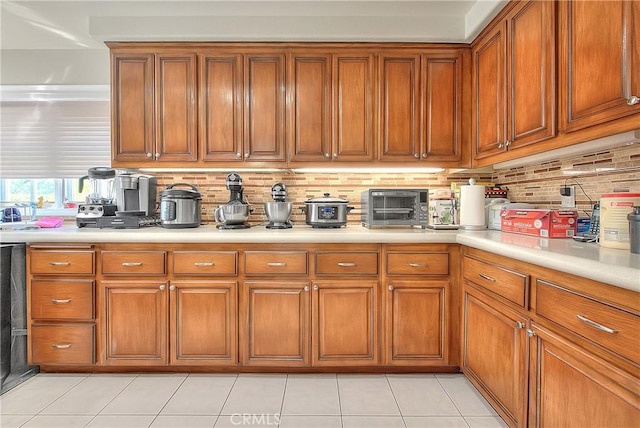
x: 176, y: 107
x: 275, y: 323
x: 415, y: 322
x: 531, y: 56
x: 310, y: 124
x: 353, y: 115
x: 576, y: 389
x: 132, y: 87
x: 494, y: 349
x: 221, y: 88
x: 203, y: 323
x: 345, y: 325
x: 599, y: 61
x: 265, y: 107
x: 400, y: 108
x: 489, y: 120
x: 443, y: 103
x: 135, y: 322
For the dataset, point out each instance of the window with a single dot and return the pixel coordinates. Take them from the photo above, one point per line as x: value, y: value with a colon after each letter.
x: 49, y: 136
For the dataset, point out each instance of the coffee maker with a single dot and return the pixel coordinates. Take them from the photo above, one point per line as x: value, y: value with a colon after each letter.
x: 136, y: 193
x: 101, y: 199
x: 278, y: 211
x: 235, y: 213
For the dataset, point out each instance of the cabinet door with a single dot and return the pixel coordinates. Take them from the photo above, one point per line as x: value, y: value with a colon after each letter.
x: 345, y: 320
x: 494, y: 351
x: 132, y: 107
x: 134, y: 320
x: 531, y: 71
x: 264, y: 107
x: 220, y: 92
x: 573, y: 388
x: 599, y: 61
x: 275, y: 323
x: 176, y: 126
x: 309, y: 125
x: 203, y: 323
x: 443, y: 107
x: 415, y: 323
x: 353, y: 104
x: 399, y: 80
x: 489, y: 93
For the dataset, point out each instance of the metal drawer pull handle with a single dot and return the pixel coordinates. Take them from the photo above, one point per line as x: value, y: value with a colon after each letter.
x: 343, y: 264
x: 203, y: 264
x: 596, y: 325
x: 59, y: 263
x: 130, y: 264
x: 276, y: 264
x: 418, y: 264
x: 487, y: 277
x: 60, y: 300
x: 65, y: 346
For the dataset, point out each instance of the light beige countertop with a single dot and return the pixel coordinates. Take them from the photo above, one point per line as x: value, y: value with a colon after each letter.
x: 617, y: 267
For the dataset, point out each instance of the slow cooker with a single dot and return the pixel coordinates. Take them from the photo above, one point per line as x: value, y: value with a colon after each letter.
x: 180, y: 208
x: 326, y: 212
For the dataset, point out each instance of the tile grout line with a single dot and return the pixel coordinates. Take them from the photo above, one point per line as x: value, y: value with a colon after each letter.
x: 111, y: 401
x: 169, y: 399
x: 386, y: 377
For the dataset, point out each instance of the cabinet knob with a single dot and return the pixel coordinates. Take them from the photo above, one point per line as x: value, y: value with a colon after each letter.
x: 238, y: 155
x: 246, y: 155
x: 500, y: 145
x: 519, y: 324
x: 327, y: 155
x: 335, y: 155
x: 315, y: 288
x: 424, y: 155
x: 306, y: 288
x: 391, y: 288
x: 172, y: 288
x: 162, y: 287
x: 530, y: 333
x: 507, y: 144
x: 416, y: 155
x: 633, y: 100
x: 157, y: 155
x: 149, y: 155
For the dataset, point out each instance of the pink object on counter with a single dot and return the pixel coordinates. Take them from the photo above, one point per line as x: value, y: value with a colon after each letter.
x: 50, y: 222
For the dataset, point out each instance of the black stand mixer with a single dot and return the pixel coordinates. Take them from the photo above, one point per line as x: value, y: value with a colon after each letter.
x: 235, y: 213
x: 278, y: 211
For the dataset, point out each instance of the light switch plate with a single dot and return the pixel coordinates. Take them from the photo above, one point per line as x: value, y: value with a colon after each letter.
x: 569, y: 201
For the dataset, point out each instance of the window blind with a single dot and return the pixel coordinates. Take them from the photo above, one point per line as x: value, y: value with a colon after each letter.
x: 53, y: 131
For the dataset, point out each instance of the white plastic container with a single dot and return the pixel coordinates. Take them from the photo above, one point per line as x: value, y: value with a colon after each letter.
x: 614, y: 225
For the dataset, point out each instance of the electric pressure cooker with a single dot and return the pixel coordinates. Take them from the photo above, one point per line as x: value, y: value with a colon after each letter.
x: 326, y: 212
x: 180, y: 208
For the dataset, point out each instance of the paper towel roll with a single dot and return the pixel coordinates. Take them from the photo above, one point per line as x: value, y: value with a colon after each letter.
x: 472, y: 207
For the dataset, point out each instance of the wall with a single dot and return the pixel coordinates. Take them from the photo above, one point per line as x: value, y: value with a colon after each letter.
x: 538, y: 184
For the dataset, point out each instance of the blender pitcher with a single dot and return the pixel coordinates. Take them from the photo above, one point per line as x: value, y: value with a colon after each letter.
x: 101, y: 185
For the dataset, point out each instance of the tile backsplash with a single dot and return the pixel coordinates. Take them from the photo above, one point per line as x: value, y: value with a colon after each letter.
x: 539, y: 184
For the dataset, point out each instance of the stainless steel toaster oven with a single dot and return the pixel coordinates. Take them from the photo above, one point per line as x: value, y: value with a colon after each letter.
x: 395, y: 207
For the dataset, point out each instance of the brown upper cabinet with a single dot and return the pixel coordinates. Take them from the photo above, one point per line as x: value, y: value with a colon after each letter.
x: 421, y: 110
x: 153, y: 108
x: 514, y: 80
x: 331, y: 106
x: 599, y: 61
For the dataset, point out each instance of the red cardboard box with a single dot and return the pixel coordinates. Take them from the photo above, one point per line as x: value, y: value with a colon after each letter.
x: 542, y: 223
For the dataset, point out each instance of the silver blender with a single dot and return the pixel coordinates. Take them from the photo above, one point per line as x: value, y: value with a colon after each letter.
x: 101, y: 200
x: 278, y: 211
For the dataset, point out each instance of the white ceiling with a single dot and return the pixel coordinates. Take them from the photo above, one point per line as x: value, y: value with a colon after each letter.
x: 86, y: 24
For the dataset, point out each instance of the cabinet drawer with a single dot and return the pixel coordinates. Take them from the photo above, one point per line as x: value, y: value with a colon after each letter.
x: 418, y: 263
x: 276, y: 262
x: 347, y: 263
x: 608, y: 326
x: 64, y: 300
x: 205, y: 262
x: 57, y: 262
x: 506, y: 283
x: 133, y: 262
x: 62, y: 344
